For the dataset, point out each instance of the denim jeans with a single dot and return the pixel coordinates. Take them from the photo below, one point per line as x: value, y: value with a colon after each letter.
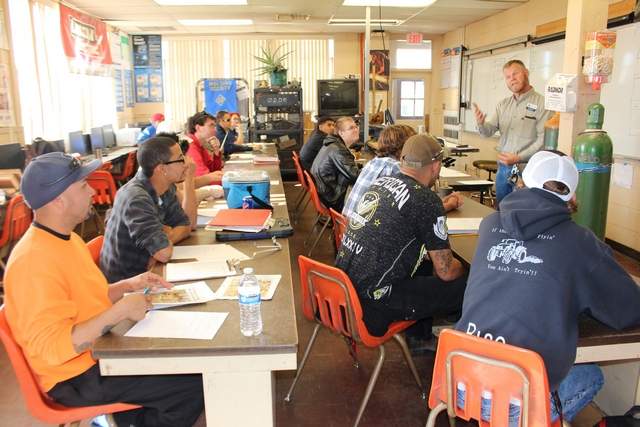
x: 503, y: 184
x: 578, y: 389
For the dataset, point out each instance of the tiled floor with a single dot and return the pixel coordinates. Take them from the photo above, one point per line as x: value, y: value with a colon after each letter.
x: 329, y: 392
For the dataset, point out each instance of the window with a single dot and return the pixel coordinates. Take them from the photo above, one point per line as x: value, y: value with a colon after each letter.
x: 412, y: 57
x: 409, y: 98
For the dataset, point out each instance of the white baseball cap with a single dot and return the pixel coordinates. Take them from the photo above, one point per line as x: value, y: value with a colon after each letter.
x: 545, y: 166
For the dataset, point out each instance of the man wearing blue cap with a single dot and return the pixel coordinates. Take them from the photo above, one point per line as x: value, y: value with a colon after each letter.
x: 56, y: 312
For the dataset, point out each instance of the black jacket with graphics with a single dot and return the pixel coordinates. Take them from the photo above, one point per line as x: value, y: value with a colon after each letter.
x: 534, y: 272
x: 333, y: 170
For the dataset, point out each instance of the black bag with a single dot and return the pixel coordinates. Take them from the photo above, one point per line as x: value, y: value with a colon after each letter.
x: 630, y: 419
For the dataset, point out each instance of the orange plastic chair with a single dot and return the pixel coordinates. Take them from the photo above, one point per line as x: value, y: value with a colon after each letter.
x: 105, y: 194
x: 128, y: 169
x: 303, y: 183
x: 330, y: 299
x: 485, y: 365
x: 39, y: 404
x: 95, y: 246
x: 339, y: 226
x: 323, y: 212
x: 18, y: 218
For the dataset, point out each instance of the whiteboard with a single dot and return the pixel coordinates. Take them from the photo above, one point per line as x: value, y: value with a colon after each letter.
x: 621, y: 96
x: 486, y: 85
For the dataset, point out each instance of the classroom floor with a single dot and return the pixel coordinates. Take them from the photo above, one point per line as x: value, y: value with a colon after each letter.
x: 329, y: 391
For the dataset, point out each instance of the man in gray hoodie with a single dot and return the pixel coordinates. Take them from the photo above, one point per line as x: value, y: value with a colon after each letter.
x: 535, y: 272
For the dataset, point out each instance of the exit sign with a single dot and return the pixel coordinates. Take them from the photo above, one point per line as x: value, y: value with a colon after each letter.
x: 414, y: 38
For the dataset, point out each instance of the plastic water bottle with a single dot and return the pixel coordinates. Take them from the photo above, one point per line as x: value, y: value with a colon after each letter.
x: 461, y: 395
x: 514, y: 412
x: 249, y: 299
x: 485, y: 405
x: 3, y: 197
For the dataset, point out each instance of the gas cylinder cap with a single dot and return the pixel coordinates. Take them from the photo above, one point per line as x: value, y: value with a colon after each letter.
x: 595, y: 116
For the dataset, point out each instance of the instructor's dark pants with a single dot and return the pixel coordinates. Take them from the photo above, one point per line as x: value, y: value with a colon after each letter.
x: 421, y: 297
x: 166, y: 400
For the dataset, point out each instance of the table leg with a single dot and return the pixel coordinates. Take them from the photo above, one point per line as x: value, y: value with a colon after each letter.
x: 239, y: 398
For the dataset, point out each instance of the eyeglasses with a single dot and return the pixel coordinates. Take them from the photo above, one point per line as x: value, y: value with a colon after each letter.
x: 226, y: 120
x: 438, y: 155
x: 179, y: 160
x: 74, y: 165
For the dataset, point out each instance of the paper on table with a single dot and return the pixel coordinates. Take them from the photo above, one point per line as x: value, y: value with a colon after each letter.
x: 452, y: 173
x: 178, y: 324
x: 189, y: 293
x: 183, y: 271
x: 274, y: 182
x: 238, y: 162
x: 219, y: 252
x: 463, y: 225
x: 475, y: 182
x: 210, y: 212
x: 243, y: 156
x: 268, y: 284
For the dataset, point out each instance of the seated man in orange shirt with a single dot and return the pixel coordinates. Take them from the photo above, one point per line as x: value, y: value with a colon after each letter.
x: 58, y: 303
x: 202, y: 129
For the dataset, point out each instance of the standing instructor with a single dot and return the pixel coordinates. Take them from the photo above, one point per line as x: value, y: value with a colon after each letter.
x: 520, y: 119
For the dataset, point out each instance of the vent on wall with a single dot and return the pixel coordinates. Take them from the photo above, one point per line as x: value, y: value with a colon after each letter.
x: 157, y: 29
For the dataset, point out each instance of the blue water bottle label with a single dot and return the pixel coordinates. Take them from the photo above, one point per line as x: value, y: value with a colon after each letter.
x: 461, y: 394
x: 485, y: 405
x: 514, y: 412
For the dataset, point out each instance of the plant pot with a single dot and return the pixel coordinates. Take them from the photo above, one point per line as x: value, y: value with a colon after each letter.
x: 278, y: 78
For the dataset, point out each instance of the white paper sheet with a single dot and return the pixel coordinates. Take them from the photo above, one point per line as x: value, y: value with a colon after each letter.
x: 268, y: 284
x: 178, y: 324
x: 239, y: 162
x: 452, y: 173
x: 189, y: 293
x: 219, y: 252
x: 623, y: 174
x: 475, y: 182
x: 463, y: 225
x: 183, y: 271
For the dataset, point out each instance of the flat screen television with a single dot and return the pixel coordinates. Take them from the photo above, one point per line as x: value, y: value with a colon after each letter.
x: 97, y: 138
x: 338, y: 97
x: 109, y: 136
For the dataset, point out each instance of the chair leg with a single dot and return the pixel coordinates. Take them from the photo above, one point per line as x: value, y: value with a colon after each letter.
x: 352, y: 351
x: 75, y: 424
x: 296, y: 210
x: 313, y: 228
x: 371, y: 385
x: 324, y: 227
x: 407, y: 355
x: 304, y: 208
x: 431, y: 420
x: 287, y: 398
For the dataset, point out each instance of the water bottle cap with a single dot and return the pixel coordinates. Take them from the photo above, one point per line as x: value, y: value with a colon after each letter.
x: 247, y: 270
x: 486, y: 394
x: 515, y: 401
x: 461, y: 386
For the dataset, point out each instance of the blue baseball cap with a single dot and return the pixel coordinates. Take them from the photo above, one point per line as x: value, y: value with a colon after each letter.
x: 49, y: 175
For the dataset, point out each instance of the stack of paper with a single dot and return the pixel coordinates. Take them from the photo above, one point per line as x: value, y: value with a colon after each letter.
x: 178, y: 324
x: 268, y: 285
x: 463, y: 225
x: 183, y: 271
x: 205, y: 215
x: 219, y: 252
x: 266, y: 160
x: 245, y: 220
x: 190, y: 293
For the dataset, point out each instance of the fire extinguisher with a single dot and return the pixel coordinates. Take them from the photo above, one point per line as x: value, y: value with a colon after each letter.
x: 593, y: 154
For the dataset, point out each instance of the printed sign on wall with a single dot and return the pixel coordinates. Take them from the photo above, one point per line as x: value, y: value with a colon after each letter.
x: 147, y: 63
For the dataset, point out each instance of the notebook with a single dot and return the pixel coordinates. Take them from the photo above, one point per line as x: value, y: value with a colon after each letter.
x: 463, y: 225
x: 246, y: 220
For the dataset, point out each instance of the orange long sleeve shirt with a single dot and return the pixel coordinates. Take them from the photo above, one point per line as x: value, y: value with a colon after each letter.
x: 51, y: 285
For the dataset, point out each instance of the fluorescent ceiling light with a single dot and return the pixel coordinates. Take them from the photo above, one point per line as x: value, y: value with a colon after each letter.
x: 214, y: 22
x: 201, y: 2
x: 389, y: 3
x: 357, y: 21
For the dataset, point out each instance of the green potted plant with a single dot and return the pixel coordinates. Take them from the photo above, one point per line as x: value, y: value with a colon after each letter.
x: 273, y: 65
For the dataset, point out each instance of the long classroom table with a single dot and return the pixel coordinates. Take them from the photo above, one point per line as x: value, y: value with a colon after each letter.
x: 235, y: 369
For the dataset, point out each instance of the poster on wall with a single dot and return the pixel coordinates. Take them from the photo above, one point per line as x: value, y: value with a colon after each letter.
x: 379, y: 65
x: 6, y: 109
x: 117, y: 80
x: 445, y: 68
x: 85, y: 43
x: 128, y: 88
x: 220, y: 94
x: 455, y: 55
x: 147, y: 63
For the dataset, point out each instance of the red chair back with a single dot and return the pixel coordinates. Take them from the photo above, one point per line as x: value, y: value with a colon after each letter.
x: 105, y: 187
x: 300, y: 172
x: 329, y: 298
x: 17, y: 220
x: 485, y: 365
x: 339, y: 225
x: 129, y: 168
x: 313, y: 191
x: 39, y: 404
x: 95, y: 246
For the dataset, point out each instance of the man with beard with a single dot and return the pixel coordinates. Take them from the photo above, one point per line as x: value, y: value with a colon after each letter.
x: 147, y: 218
x: 520, y: 119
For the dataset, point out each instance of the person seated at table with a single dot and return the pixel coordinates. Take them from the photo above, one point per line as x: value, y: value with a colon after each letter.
x: 57, y: 303
x: 150, y: 131
x: 147, y: 218
x: 535, y: 271
x: 396, y: 249
x: 228, y: 136
x: 334, y: 168
x: 236, y: 127
x: 201, y: 129
x: 326, y: 126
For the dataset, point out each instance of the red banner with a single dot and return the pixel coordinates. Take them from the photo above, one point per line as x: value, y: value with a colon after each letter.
x: 85, y: 42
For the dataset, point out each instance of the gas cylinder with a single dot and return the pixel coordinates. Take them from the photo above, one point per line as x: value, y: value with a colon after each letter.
x: 593, y: 154
x: 551, y: 130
